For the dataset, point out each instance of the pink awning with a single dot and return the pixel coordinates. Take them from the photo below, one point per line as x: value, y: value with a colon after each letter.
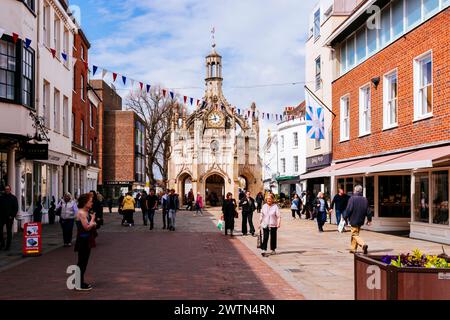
x: 410, y: 160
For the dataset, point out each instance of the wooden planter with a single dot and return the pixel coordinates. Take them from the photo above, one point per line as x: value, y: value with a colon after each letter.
x: 375, y: 280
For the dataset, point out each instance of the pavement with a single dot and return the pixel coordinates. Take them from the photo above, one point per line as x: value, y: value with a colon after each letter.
x: 198, y: 262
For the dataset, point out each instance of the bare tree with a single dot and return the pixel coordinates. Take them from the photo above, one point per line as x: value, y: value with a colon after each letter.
x: 157, y: 113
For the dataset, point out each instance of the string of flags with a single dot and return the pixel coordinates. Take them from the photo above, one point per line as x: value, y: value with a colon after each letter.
x: 200, y: 103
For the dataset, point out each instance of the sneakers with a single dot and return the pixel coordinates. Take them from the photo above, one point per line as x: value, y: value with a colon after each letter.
x: 365, y: 247
x: 273, y: 252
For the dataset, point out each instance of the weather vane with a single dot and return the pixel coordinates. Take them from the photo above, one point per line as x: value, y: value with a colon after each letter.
x: 213, y: 31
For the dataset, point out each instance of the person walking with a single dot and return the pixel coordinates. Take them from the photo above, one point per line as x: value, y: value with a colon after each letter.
x: 9, y: 207
x: 137, y: 200
x: 190, y: 201
x: 128, y: 208
x: 165, y: 210
x: 51, y: 211
x: 86, y: 226
x: 68, y: 210
x: 248, y: 207
x: 229, y: 213
x: 198, y: 204
x: 173, y: 204
x: 322, y: 208
x: 37, y: 212
x: 97, y: 208
x: 110, y: 205
x: 295, y: 207
x: 144, y: 207
x: 339, y: 203
x: 357, y: 211
x: 259, y: 201
x: 152, y: 206
x: 308, y: 206
x: 269, y: 222
x: 120, y: 206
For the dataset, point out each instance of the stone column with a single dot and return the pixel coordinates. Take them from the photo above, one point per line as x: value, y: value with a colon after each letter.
x: 72, y: 180
x: 66, y: 178
x: 12, y: 169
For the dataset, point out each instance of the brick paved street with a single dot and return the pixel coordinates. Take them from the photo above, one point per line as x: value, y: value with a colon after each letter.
x: 197, y: 262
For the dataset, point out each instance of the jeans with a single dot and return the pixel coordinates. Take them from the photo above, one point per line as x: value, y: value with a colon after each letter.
x: 321, y: 219
x: 247, y: 216
x: 165, y: 216
x: 84, y: 252
x: 172, y: 217
x: 151, y: 215
x: 339, y: 214
x: 67, y: 228
x: 144, y: 216
x: 273, y: 238
x: 199, y: 209
x: 9, y: 223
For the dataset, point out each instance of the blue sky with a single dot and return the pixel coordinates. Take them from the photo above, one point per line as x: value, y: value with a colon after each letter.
x: 164, y: 42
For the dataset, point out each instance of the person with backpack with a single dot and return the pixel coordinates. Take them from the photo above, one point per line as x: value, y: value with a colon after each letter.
x: 128, y: 208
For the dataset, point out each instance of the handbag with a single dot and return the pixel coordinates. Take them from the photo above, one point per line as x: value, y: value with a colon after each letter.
x: 341, y: 227
x: 258, y: 240
x: 58, y: 212
x: 236, y: 214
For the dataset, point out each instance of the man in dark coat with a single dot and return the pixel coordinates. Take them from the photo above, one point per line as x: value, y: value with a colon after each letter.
x: 8, y: 211
x: 340, y: 202
x: 357, y: 211
x: 248, y: 207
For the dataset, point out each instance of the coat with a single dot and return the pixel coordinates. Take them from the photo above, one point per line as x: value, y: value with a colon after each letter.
x: 199, y: 202
x: 228, y: 210
x: 358, y: 209
x: 8, y: 206
x: 128, y: 203
x: 248, y: 206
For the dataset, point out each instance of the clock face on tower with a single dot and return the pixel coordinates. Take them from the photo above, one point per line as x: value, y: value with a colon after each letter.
x: 216, y: 119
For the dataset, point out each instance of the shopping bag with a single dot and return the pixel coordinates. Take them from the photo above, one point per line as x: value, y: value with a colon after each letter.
x: 341, y: 226
x: 258, y: 240
x: 220, y: 224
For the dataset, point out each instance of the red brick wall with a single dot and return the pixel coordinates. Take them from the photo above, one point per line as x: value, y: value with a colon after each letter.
x: 118, y: 146
x: 432, y: 35
x: 80, y: 107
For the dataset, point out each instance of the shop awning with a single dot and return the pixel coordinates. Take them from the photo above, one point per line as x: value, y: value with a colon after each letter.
x: 288, y: 178
x: 396, y: 162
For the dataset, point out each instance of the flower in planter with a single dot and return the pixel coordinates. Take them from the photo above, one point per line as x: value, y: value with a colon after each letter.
x: 416, y: 260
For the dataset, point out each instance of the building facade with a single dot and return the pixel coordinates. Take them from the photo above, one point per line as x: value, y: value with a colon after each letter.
x: 270, y: 162
x: 392, y: 128
x: 215, y: 150
x: 325, y: 18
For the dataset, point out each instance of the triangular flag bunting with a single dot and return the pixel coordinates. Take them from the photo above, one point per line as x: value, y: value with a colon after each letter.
x: 185, y: 99
x: 104, y: 72
x: 164, y: 92
x: 192, y: 101
x: 239, y: 111
x: 148, y: 88
x: 53, y: 52
x: 94, y: 70
x: 141, y: 85
x: 64, y: 56
x: 114, y: 76
x: 15, y: 37
x: 171, y: 95
x: 263, y: 115
x: 124, y: 79
x: 198, y: 101
x: 27, y: 43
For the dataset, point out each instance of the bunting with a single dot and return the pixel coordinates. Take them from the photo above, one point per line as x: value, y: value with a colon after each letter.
x: 148, y: 88
x: 53, y: 53
x: 141, y: 85
x: 124, y: 79
x: 64, y: 56
x: 94, y: 70
x: 114, y: 76
x: 27, y: 43
x: 15, y: 37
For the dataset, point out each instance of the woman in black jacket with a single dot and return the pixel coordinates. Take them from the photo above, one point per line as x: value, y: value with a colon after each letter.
x: 322, y: 209
x: 228, y: 210
x: 97, y: 208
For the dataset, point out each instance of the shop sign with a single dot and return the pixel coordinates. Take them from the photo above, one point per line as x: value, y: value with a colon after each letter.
x: 318, y: 161
x: 32, y: 240
x: 118, y: 182
x: 35, y: 151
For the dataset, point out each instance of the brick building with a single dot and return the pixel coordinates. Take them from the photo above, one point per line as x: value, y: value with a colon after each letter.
x: 82, y: 166
x: 122, y: 154
x: 391, y: 133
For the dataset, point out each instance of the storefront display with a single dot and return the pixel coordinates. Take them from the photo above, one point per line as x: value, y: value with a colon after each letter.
x: 394, y: 196
x: 440, y: 189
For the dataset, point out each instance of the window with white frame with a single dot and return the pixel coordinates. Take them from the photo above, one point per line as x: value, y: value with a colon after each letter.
x: 8, y: 68
x: 57, y: 34
x: 345, y: 118
x: 46, y: 24
x: 390, y: 102
x: 397, y: 18
x: 385, y: 31
x: 65, y: 116
x: 56, y: 110
x: 318, y: 76
x: 283, y: 165
x: 295, y: 139
x: 364, y: 110
x: 423, y: 86
x: 66, y: 46
x: 46, y: 104
x: 360, y: 44
x: 317, y: 24
x: 295, y: 163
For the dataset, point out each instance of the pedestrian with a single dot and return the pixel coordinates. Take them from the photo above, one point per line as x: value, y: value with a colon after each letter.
x: 68, y: 209
x: 269, y: 222
x: 165, y: 209
x: 86, y: 226
x: 241, y: 194
x: 307, y: 205
x: 144, y: 207
x: 37, y: 212
x: 199, y: 204
x: 339, y: 203
x: 229, y: 213
x: 173, y: 204
x: 51, y: 211
x: 248, y: 207
x: 357, y: 211
x: 8, y: 211
x: 295, y: 206
x: 190, y: 201
x: 128, y: 208
x: 152, y: 206
x: 110, y: 204
x: 137, y: 200
x: 321, y: 206
x: 120, y: 206
x: 259, y: 201
x: 97, y: 208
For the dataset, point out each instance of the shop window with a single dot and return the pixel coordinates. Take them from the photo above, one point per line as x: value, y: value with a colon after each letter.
x: 394, y: 196
x: 439, y: 183
x: 421, y: 201
x: 370, y: 192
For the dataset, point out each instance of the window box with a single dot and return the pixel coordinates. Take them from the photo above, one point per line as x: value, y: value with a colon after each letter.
x: 398, y: 283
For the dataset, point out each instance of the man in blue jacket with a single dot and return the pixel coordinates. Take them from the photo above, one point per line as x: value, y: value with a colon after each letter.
x: 357, y: 211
